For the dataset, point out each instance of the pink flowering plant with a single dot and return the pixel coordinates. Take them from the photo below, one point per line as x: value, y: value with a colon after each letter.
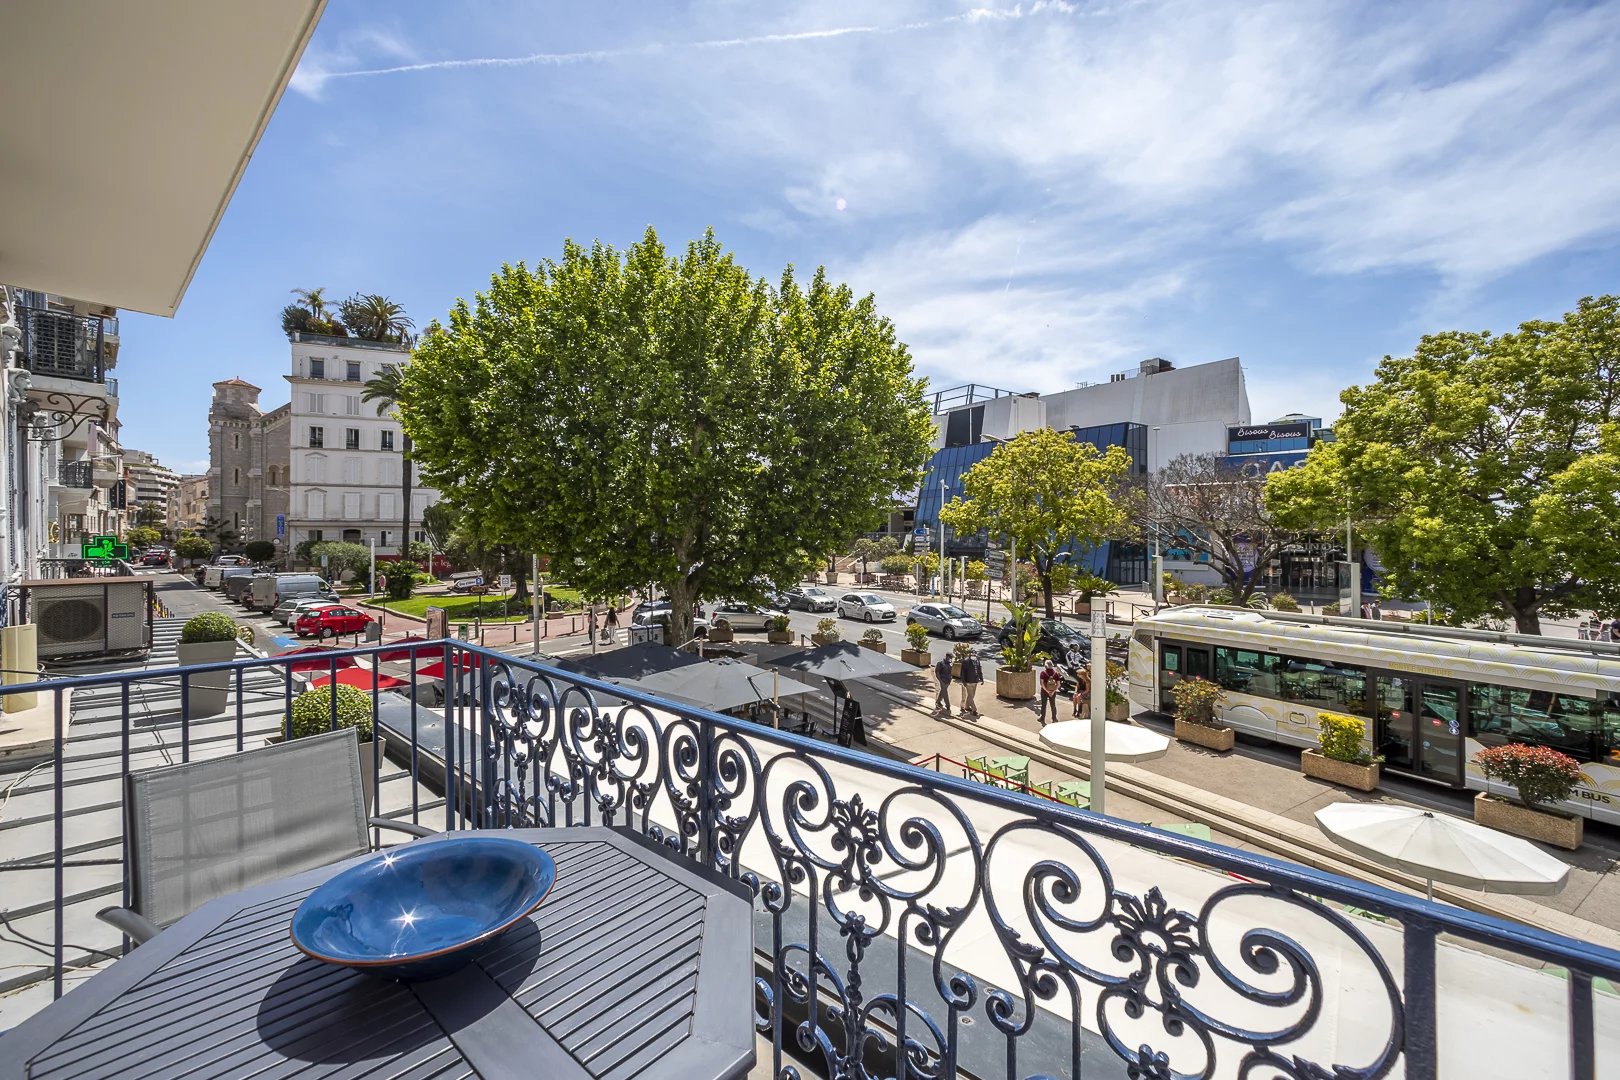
x: 1540, y: 773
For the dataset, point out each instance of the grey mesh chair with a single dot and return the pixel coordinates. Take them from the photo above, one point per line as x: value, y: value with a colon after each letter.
x: 210, y: 828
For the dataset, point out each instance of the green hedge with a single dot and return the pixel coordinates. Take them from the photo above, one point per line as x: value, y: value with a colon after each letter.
x: 312, y: 711
x: 210, y: 626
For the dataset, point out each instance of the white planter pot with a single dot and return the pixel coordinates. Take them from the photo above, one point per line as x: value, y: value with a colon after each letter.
x: 207, y: 693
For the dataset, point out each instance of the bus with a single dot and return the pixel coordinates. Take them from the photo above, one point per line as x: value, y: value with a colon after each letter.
x: 1432, y: 697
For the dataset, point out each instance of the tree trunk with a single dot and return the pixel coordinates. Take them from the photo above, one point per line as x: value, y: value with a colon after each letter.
x: 682, y: 597
x: 405, y: 485
x: 1046, y: 591
x: 1527, y: 620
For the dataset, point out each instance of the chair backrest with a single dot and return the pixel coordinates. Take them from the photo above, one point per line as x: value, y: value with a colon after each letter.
x: 210, y: 828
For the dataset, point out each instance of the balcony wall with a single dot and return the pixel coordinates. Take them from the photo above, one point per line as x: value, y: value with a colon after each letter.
x: 915, y: 924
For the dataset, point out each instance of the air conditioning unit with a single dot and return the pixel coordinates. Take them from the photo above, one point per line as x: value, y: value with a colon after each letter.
x: 82, y: 619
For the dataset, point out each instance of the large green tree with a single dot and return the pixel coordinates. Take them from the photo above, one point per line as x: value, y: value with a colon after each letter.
x: 641, y: 416
x: 1482, y: 469
x: 1048, y: 492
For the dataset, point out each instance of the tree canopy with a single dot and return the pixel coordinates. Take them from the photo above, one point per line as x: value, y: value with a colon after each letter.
x: 1482, y: 469
x: 141, y: 536
x: 643, y: 417
x: 1207, y: 504
x: 1050, y: 493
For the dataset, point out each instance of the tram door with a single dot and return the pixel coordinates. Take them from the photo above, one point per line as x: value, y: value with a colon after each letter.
x: 1420, y: 726
x: 1177, y: 662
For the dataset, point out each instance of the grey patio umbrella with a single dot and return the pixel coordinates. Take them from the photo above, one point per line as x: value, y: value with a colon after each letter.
x: 843, y: 660
x: 720, y: 684
x: 631, y: 662
x: 1438, y: 847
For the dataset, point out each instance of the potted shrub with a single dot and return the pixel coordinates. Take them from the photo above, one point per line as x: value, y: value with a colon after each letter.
x: 1118, y: 702
x: 1343, y: 757
x: 873, y: 639
x: 209, y: 638
x: 777, y: 632
x: 918, y: 653
x: 976, y: 571
x: 720, y: 631
x: 826, y: 632
x: 1284, y: 602
x: 1195, y: 714
x: 1088, y: 586
x: 1540, y: 776
x: 312, y: 715
x: 1015, y: 678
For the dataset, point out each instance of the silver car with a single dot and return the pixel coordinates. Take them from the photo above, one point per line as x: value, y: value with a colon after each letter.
x: 810, y: 598
x: 288, y: 611
x: 743, y: 616
x: 946, y: 620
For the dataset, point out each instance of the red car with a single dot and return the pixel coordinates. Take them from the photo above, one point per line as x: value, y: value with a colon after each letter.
x: 331, y: 622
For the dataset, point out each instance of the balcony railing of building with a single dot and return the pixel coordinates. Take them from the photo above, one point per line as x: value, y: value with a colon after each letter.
x: 907, y: 923
x: 78, y: 474
x: 112, y: 387
x: 969, y: 394
x: 349, y: 342
x: 64, y: 345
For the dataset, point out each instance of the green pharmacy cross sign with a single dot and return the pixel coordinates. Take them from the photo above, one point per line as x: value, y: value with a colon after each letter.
x: 104, y: 547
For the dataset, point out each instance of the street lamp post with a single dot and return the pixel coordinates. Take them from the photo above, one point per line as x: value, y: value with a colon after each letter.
x: 942, y: 538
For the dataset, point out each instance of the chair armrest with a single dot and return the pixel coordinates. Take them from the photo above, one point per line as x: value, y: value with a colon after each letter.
x: 133, y: 923
x: 401, y: 826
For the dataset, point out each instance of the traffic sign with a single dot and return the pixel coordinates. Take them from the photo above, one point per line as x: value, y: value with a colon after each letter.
x: 504, y: 582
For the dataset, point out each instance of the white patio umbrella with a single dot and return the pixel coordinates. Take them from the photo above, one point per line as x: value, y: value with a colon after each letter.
x: 1438, y: 847
x: 1124, y: 742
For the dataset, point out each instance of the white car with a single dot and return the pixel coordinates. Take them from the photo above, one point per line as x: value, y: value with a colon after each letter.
x: 869, y: 607
x: 947, y: 620
x: 287, y: 614
x: 743, y: 616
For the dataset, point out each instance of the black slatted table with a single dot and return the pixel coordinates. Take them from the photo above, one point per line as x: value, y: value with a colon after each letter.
x: 639, y: 964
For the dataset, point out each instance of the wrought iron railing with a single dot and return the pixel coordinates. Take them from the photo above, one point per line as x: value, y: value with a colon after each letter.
x: 912, y: 923
x: 63, y: 344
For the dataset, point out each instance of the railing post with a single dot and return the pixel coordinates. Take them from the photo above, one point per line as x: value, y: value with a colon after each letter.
x: 1418, y: 1023
x: 1582, y: 1048
x: 706, y: 784
x: 58, y: 949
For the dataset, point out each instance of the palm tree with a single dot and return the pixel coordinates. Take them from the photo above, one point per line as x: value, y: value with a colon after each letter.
x: 314, y: 300
x: 384, y: 390
x: 376, y: 318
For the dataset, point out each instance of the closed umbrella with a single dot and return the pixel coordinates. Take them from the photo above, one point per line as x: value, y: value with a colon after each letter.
x: 1438, y: 847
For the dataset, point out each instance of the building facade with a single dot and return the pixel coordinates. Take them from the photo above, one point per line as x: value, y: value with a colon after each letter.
x: 1158, y: 413
x: 346, y: 460
x: 189, y: 507
x: 247, y: 485
x: 149, y: 484
x: 61, y: 467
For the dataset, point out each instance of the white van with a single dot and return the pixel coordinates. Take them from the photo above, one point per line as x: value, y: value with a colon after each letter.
x: 271, y: 589
x: 214, y: 576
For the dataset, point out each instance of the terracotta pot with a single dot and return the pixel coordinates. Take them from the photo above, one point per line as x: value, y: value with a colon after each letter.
x: 1118, y: 712
x: 1211, y: 738
x: 779, y: 637
x: 875, y: 646
x: 1344, y: 773
x: 207, y: 693
x: 824, y: 639
x: 1015, y: 685
x: 1549, y: 827
x: 832, y: 579
x: 920, y: 657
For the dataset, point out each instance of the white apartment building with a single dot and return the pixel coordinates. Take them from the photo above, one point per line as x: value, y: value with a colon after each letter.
x: 149, y: 482
x: 345, y: 459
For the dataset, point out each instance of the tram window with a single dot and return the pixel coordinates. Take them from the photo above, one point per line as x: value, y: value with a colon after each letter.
x: 1323, y: 686
x: 1248, y: 671
x: 1587, y: 729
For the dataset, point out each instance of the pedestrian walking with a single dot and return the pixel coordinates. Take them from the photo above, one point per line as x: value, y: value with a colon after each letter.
x: 1051, y: 681
x: 611, y: 623
x: 1082, y: 693
x: 942, y: 693
x: 972, y: 675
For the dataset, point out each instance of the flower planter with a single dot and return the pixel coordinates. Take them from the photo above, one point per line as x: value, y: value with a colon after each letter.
x: 1344, y: 773
x: 1118, y: 711
x: 1015, y: 685
x: 779, y: 637
x: 717, y: 634
x: 206, y: 694
x: 824, y: 639
x: 919, y: 657
x: 1549, y: 827
x: 1210, y: 738
x: 832, y: 579
x: 875, y: 646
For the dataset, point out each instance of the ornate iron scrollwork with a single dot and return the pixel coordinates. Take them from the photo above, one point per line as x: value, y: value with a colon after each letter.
x: 47, y: 411
x: 851, y: 861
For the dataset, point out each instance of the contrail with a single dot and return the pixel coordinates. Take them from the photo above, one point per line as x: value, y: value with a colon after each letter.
x: 601, y: 55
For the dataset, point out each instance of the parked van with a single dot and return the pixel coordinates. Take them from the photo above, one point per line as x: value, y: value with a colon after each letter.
x: 214, y: 576
x: 237, y: 585
x: 271, y: 589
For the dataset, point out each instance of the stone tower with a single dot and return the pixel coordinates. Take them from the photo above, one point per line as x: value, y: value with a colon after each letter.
x: 235, y: 488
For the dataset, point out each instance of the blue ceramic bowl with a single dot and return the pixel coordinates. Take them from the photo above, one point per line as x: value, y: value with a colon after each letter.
x: 423, y: 910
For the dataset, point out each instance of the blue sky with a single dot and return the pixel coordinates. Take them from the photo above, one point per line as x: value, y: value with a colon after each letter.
x: 1038, y: 194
